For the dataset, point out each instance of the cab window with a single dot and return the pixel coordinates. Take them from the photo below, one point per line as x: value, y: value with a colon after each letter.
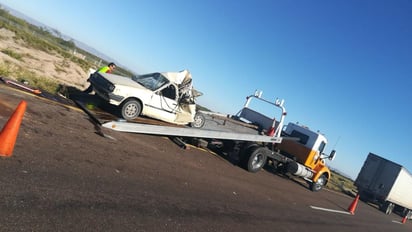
x: 321, y: 147
x: 303, y: 139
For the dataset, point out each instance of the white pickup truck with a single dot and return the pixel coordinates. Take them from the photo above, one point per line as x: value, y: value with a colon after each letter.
x: 167, y: 96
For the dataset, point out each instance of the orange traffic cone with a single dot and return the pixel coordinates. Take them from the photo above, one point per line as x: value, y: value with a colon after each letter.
x: 271, y: 131
x: 8, y: 134
x: 404, y: 219
x: 352, y: 206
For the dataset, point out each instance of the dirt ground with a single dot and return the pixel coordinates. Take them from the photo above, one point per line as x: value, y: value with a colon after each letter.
x: 42, y: 64
x: 64, y: 176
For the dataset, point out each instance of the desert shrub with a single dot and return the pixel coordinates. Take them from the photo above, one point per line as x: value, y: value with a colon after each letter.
x: 38, y: 82
x: 12, y: 53
x: 4, y: 70
x: 20, y: 74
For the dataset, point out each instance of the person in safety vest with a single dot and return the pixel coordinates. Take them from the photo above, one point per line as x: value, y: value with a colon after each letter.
x: 105, y: 69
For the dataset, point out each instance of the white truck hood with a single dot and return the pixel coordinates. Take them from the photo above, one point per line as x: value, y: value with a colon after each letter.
x: 175, y: 77
x: 121, y: 80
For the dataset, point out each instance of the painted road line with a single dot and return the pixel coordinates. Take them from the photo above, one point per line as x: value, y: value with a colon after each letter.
x: 330, y: 210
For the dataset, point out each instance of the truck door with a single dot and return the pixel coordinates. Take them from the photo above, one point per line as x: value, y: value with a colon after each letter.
x: 377, y: 175
x: 368, y: 172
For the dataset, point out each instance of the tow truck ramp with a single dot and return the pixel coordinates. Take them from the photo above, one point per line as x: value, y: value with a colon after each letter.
x: 132, y: 127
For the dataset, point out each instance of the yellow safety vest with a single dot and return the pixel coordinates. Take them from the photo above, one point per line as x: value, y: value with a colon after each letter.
x: 104, y: 69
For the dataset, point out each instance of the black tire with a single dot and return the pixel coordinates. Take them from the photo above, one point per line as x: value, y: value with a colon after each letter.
x: 131, y: 109
x: 199, y: 120
x: 254, y: 159
x: 244, y: 154
x: 318, y: 185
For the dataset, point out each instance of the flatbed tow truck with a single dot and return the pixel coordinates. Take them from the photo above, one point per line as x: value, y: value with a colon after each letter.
x: 291, y: 149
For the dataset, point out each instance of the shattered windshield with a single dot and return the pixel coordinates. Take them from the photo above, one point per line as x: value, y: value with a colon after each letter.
x: 151, y: 81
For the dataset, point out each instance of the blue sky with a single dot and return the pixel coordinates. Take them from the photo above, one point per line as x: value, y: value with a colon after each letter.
x: 343, y: 66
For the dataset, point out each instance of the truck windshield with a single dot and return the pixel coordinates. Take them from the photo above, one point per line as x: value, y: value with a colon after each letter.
x: 151, y: 81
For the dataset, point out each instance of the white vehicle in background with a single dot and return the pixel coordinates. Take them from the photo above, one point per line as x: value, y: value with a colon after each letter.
x: 167, y: 96
x: 387, y: 183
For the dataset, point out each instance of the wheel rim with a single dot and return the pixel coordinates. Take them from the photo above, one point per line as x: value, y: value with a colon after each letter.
x: 257, y: 161
x: 131, y: 110
x: 390, y: 208
x: 197, y: 122
x: 321, y: 181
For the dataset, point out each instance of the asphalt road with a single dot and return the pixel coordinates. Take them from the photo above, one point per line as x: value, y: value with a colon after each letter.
x: 64, y: 176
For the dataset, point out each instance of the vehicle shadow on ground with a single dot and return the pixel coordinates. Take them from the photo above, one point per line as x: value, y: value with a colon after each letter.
x: 282, y: 174
x: 233, y: 158
x: 102, y: 109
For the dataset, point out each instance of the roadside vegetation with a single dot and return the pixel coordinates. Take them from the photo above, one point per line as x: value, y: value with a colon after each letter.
x: 47, y: 40
x: 341, y: 183
x: 25, y: 76
x: 12, y: 53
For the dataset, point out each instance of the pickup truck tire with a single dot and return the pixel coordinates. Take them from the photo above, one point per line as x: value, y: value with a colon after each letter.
x: 254, y: 158
x: 199, y: 120
x: 318, y: 185
x: 131, y: 109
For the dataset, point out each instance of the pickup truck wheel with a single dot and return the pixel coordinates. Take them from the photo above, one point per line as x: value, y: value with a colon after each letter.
x: 131, y: 109
x: 318, y: 185
x: 199, y: 120
x: 256, y: 159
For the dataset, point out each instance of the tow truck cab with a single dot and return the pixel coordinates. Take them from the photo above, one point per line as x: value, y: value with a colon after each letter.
x: 306, y: 151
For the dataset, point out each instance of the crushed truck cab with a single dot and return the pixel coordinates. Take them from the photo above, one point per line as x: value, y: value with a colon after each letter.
x: 167, y: 96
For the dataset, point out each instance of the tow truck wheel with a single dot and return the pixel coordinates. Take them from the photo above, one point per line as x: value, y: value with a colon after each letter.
x: 199, y: 120
x: 318, y: 185
x: 131, y: 109
x: 256, y: 159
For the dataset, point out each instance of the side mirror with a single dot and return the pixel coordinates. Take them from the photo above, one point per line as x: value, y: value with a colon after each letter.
x: 332, y: 155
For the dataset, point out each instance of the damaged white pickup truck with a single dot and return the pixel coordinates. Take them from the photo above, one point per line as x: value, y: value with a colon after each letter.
x: 167, y: 96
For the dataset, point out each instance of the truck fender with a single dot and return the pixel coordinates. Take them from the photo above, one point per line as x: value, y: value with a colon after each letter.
x: 323, y: 171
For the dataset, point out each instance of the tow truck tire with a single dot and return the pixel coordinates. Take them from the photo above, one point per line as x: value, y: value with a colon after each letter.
x: 318, y: 185
x: 254, y: 159
x: 131, y: 109
x: 199, y: 120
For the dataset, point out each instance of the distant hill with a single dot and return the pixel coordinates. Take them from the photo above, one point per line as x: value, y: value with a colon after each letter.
x: 54, y: 31
x: 341, y: 173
